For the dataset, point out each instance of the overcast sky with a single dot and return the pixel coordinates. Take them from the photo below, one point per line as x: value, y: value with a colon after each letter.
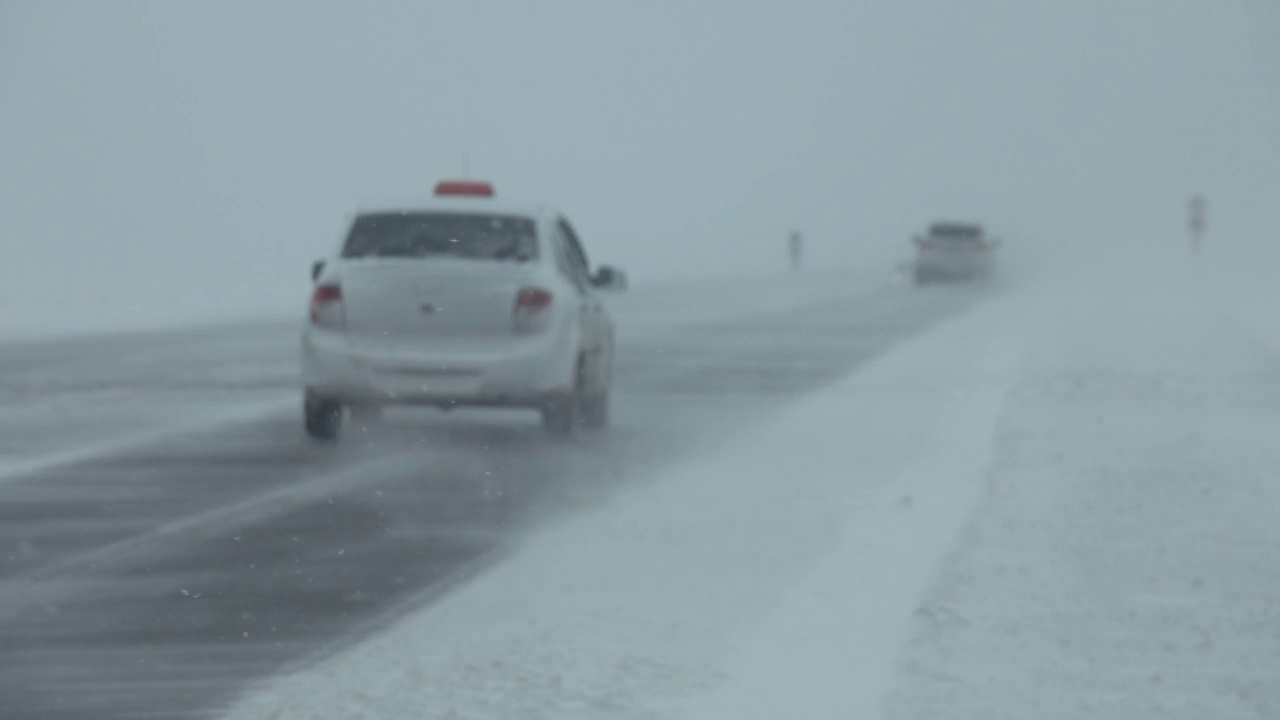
x: 203, y: 140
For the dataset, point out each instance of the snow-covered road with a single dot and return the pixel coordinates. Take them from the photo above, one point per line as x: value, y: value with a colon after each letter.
x: 1061, y: 505
x: 823, y: 497
x: 639, y: 606
x: 153, y: 565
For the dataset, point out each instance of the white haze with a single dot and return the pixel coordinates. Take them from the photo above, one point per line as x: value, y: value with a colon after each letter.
x: 196, y: 156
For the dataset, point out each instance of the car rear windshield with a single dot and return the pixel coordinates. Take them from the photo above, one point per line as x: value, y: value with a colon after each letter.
x: 949, y: 231
x: 442, y: 235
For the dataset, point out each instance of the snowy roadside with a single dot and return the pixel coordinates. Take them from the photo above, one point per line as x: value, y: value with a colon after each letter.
x: 669, y: 597
x: 1123, y: 563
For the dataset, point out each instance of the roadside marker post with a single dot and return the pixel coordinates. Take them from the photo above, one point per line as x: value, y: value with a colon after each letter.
x: 1195, y: 222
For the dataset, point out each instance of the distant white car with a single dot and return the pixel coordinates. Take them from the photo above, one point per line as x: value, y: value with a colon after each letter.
x: 463, y: 301
x: 954, y: 251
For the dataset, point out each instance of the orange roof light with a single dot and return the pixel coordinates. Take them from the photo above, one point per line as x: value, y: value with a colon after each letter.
x: 475, y: 188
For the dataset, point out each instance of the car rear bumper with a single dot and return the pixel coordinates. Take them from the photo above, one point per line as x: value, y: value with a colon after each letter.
x: 512, y: 373
x: 952, y: 267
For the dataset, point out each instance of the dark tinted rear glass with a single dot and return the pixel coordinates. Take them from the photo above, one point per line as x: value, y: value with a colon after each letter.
x: 442, y: 235
x: 955, y: 230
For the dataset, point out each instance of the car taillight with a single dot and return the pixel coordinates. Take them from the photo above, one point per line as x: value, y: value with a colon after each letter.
x: 532, y: 311
x: 326, y: 306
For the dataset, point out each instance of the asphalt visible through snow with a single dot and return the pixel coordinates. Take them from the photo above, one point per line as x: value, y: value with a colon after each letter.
x: 161, y: 581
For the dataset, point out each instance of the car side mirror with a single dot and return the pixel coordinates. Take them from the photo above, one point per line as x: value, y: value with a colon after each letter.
x: 610, y: 278
x: 317, y: 267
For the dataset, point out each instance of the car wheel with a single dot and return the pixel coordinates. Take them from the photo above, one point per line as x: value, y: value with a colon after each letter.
x: 564, y: 413
x: 322, y: 418
x: 595, y: 410
x: 595, y: 402
x: 561, y: 415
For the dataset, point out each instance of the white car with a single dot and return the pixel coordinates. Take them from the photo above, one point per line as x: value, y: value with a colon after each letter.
x: 954, y: 251
x: 463, y: 301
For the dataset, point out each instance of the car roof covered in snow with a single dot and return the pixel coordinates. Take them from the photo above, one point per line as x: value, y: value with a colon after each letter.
x: 487, y: 206
x: 460, y: 196
x: 955, y: 229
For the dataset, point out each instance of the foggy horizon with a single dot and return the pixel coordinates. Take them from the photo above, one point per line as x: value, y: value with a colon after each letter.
x: 215, y: 136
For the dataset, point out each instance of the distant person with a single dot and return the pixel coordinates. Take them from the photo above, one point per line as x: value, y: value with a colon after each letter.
x: 796, y: 249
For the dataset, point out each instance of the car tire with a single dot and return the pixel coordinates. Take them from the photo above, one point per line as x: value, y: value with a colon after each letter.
x: 595, y: 403
x: 561, y: 415
x: 322, y: 418
x: 595, y: 410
